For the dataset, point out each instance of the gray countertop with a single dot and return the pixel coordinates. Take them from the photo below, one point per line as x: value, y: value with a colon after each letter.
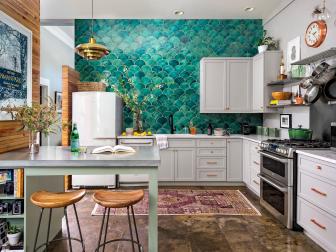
x: 55, y: 156
x: 325, y: 155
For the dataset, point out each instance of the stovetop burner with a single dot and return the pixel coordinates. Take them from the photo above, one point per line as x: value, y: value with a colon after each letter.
x: 287, y: 147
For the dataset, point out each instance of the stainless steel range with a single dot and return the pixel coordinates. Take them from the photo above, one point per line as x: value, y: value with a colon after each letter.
x: 278, y: 174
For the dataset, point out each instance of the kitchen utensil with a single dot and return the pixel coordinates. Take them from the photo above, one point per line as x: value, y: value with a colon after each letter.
x: 218, y: 132
x: 325, y: 76
x: 320, y: 69
x: 307, y: 82
x: 281, y: 95
x: 300, y: 133
x: 129, y: 131
x: 329, y: 89
x: 312, y: 94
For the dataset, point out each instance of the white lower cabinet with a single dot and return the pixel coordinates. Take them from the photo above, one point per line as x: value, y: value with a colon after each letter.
x: 167, y: 167
x: 316, y: 200
x: 251, y: 165
x: 234, y: 170
x: 185, y: 164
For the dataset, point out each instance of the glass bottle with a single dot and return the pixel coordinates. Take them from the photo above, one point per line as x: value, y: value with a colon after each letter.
x: 74, y: 139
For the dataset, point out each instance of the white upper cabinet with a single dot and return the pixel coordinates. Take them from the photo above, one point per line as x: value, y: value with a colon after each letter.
x: 266, y: 68
x: 226, y: 85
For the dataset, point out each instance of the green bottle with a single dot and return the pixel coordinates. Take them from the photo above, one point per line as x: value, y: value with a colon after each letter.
x: 74, y: 139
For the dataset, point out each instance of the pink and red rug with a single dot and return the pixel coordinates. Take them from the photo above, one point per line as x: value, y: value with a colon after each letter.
x: 192, y: 202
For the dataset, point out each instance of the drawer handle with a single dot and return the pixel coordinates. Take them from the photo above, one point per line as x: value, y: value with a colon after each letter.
x: 211, y: 142
x: 318, y: 167
x: 256, y: 162
x: 211, y: 175
x: 317, y: 191
x: 318, y: 224
x: 255, y: 182
x: 211, y: 162
x: 211, y: 152
x: 256, y: 148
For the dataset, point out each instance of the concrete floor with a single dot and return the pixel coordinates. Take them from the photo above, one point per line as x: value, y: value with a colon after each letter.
x: 194, y: 233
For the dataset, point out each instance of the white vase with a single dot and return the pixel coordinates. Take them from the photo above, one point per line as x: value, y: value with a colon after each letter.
x: 13, y: 239
x: 262, y: 48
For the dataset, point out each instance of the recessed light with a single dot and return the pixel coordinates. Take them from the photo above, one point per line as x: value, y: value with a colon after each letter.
x: 178, y: 12
x: 249, y: 9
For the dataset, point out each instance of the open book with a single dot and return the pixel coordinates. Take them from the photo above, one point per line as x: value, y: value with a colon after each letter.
x: 115, y: 149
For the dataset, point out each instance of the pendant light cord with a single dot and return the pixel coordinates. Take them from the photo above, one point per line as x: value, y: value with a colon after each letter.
x: 92, y: 18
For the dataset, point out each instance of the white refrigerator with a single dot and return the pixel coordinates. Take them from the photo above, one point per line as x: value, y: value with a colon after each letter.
x: 99, y: 121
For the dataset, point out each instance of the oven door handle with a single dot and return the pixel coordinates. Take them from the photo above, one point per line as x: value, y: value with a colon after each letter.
x: 281, y: 189
x: 282, y: 160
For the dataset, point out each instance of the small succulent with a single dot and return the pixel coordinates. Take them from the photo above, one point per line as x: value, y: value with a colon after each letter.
x: 268, y: 40
x: 13, y: 229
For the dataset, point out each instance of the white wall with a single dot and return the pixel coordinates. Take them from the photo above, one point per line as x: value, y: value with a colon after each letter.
x: 288, y: 24
x: 55, y: 52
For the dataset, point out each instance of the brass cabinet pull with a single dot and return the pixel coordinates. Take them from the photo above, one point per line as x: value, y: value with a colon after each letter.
x: 211, y: 151
x: 211, y: 142
x: 255, y: 182
x: 211, y: 162
x: 211, y: 175
x: 256, y: 148
x: 317, y: 191
x: 318, y: 167
x: 256, y: 162
x: 318, y: 224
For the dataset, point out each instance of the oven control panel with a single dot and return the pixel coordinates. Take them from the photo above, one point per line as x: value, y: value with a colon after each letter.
x: 278, y: 149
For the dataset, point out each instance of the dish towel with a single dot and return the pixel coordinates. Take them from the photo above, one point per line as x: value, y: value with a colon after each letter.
x: 162, y: 141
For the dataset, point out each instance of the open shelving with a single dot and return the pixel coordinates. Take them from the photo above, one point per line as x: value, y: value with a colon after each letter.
x: 317, y: 57
x: 287, y: 82
x: 288, y: 105
x: 11, y: 216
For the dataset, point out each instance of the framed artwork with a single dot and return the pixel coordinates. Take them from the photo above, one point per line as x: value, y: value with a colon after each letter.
x: 293, y: 52
x: 15, y: 64
x: 58, y: 101
x: 285, y: 121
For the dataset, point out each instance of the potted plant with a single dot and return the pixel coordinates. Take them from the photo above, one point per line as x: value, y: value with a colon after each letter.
x: 36, y: 118
x: 13, y: 234
x: 266, y: 43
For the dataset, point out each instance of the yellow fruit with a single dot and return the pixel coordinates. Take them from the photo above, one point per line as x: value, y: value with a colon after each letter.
x: 149, y: 133
x: 123, y: 134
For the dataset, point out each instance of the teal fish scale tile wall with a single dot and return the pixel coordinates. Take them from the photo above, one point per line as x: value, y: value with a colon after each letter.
x: 167, y: 53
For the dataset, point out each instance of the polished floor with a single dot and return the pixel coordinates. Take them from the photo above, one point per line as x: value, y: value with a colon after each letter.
x: 195, y: 233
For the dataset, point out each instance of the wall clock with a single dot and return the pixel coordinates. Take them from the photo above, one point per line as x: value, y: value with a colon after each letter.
x: 316, y: 33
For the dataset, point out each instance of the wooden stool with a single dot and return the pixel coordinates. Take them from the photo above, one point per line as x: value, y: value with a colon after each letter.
x: 52, y: 200
x: 111, y: 199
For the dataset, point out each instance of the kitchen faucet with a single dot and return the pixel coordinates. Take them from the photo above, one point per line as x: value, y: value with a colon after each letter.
x: 171, y: 124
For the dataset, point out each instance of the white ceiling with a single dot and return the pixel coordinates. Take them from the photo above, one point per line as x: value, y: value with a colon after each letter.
x: 151, y: 9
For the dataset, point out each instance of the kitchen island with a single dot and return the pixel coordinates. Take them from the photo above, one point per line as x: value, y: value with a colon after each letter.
x: 45, y: 171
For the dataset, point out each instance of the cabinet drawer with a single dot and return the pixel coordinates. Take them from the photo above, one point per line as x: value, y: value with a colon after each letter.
x: 181, y: 143
x: 211, y: 143
x: 317, y: 223
x: 215, y: 152
x: 204, y: 162
x: 317, y: 191
x: 255, y: 160
x: 254, y: 147
x: 320, y: 168
x: 211, y: 175
x: 255, y: 181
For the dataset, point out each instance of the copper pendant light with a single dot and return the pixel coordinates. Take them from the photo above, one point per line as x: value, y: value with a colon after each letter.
x: 92, y: 50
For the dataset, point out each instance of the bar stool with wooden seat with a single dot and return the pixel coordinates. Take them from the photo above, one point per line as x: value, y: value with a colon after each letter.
x: 53, y: 200
x: 118, y: 199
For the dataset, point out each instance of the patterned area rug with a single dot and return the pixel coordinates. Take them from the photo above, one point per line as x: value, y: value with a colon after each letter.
x: 192, y: 202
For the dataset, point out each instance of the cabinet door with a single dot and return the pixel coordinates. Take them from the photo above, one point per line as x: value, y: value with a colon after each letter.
x: 167, y: 167
x: 246, y: 162
x: 213, y: 89
x: 239, y: 82
x: 258, y: 83
x: 234, y: 160
x: 185, y: 164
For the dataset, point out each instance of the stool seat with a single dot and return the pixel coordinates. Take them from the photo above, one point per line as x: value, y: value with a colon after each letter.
x: 46, y: 199
x: 118, y: 199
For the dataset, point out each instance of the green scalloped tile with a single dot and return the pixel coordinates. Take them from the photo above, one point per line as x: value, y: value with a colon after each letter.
x: 165, y: 54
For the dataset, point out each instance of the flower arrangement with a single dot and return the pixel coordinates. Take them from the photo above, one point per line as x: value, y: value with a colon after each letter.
x: 133, y: 99
x: 35, y: 118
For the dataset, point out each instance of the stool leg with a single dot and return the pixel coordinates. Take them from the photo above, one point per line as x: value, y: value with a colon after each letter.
x: 106, y: 228
x: 130, y: 228
x: 136, y: 230
x: 48, y: 231
x: 67, y: 225
x: 101, y: 230
x: 79, y: 229
x: 38, y: 228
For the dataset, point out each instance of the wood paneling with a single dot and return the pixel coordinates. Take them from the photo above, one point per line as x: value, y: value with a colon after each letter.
x: 70, y: 78
x: 26, y: 12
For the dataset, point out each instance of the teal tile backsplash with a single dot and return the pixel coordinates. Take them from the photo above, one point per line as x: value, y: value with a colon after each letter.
x: 167, y: 53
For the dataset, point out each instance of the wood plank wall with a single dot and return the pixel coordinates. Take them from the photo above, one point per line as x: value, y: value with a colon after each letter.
x: 26, y: 12
x: 70, y: 78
